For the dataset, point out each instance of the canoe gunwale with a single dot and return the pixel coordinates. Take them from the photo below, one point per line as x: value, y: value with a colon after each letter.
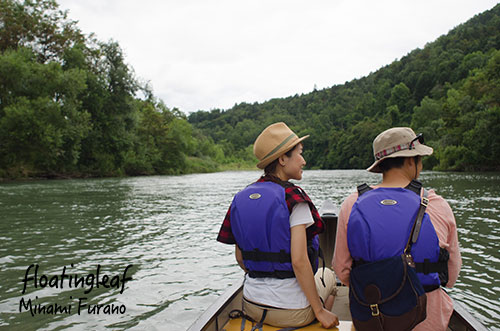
x: 464, y: 318
x: 213, y: 313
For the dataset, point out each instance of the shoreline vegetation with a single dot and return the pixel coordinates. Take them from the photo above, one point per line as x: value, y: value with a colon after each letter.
x: 198, y: 166
x: 70, y: 107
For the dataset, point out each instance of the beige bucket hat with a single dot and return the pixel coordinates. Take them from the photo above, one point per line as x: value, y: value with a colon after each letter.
x: 397, y: 142
x: 274, y: 141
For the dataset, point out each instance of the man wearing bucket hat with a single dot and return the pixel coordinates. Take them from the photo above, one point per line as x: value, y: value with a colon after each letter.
x: 275, y: 227
x: 398, y: 157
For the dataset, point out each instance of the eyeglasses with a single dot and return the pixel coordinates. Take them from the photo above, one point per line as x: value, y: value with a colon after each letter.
x: 419, y: 137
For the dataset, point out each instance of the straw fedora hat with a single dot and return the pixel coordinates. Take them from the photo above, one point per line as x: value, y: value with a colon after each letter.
x: 274, y: 141
x: 397, y: 142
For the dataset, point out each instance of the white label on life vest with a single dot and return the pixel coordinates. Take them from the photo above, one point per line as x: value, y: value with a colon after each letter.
x: 388, y: 202
x: 254, y: 196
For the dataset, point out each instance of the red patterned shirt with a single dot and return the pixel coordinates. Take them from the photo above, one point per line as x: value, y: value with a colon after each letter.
x: 293, y: 196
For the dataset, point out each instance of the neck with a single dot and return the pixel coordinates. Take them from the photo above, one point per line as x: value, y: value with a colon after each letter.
x: 281, y: 175
x: 274, y: 177
x: 396, y: 177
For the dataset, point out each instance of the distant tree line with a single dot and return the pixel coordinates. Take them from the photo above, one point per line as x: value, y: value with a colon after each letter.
x: 69, y: 105
x: 449, y: 90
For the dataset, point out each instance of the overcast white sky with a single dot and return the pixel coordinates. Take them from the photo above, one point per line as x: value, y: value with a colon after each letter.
x: 202, y: 54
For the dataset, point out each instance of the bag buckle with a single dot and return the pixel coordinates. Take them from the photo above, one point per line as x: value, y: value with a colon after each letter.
x: 409, y: 260
x: 425, y: 201
x: 374, y: 309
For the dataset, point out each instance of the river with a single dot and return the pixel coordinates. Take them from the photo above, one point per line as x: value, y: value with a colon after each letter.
x: 164, y: 228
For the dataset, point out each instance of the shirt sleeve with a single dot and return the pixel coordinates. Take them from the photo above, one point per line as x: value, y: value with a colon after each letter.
x: 342, y: 260
x: 225, y: 233
x: 444, y: 223
x: 301, y: 214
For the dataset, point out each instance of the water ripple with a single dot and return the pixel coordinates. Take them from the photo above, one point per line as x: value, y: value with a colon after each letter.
x: 166, y: 228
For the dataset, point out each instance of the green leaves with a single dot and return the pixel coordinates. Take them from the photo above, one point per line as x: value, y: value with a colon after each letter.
x: 68, y: 105
x: 41, y: 123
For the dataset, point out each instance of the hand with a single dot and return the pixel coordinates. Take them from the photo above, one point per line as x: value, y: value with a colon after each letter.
x: 327, y: 319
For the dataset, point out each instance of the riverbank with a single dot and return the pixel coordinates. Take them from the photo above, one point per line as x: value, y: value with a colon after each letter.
x: 193, y: 169
x: 193, y: 165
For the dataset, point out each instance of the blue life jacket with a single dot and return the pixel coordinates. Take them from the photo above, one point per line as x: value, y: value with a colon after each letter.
x: 260, y: 222
x: 379, y: 227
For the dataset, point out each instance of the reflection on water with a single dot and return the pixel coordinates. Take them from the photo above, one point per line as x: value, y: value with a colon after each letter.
x: 166, y: 228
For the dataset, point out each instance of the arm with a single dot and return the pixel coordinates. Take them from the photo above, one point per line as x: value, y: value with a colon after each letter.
x: 239, y: 258
x: 304, y: 274
x: 445, y: 225
x: 455, y: 261
x: 342, y: 260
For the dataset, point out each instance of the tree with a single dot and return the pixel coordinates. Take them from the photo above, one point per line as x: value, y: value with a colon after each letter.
x: 38, y: 25
x: 41, y: 120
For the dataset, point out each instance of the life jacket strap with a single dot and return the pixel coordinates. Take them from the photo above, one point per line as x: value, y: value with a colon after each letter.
x: 414, y: 186
x: 427, y: 267
x: 278, y: 257
x: 430, y: 288
x: 280, y: 274
x: 259, y: 256
x: 363, y: 188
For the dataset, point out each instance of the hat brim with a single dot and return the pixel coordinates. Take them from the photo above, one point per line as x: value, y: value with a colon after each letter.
x: 419, y: 150
x: 265, y: 162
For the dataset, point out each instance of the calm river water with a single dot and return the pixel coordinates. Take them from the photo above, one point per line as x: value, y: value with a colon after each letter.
x: 165, y: 227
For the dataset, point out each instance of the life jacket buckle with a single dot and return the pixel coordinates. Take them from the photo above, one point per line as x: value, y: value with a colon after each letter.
x: 374, y: 309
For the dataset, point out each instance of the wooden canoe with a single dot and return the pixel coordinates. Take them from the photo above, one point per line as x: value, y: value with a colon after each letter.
x: 216, y: 317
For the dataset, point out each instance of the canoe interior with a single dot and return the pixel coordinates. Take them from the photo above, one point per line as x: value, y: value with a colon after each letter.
x: 216, y: 318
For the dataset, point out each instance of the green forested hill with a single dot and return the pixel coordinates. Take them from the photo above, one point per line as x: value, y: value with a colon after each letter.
x: 450, y: 91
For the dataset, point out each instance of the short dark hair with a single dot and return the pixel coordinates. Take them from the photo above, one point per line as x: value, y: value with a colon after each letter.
x: 394, y: 162
x: 391, y: 162
x: 271, y: 167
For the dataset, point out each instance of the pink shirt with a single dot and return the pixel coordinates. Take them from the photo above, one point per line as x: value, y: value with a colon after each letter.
x: 439, y: 304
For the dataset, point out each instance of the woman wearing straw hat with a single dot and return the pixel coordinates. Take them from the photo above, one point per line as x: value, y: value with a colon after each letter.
x: 398, y: 157
x: 275, y: 227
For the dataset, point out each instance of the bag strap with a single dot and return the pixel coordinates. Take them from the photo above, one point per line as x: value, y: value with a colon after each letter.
x: 417, y: 224
x: 259, y: 326
x: 320, y: 253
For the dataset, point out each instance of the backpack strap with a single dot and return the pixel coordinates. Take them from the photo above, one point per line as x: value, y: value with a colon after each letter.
x: 363, y: 188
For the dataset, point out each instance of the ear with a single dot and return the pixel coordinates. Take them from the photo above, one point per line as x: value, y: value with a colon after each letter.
x: 409, y: 161
x: 282, y: 160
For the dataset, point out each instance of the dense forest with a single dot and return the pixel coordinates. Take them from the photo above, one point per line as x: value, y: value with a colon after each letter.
x: 71, y: 107
x: 449, y: 90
